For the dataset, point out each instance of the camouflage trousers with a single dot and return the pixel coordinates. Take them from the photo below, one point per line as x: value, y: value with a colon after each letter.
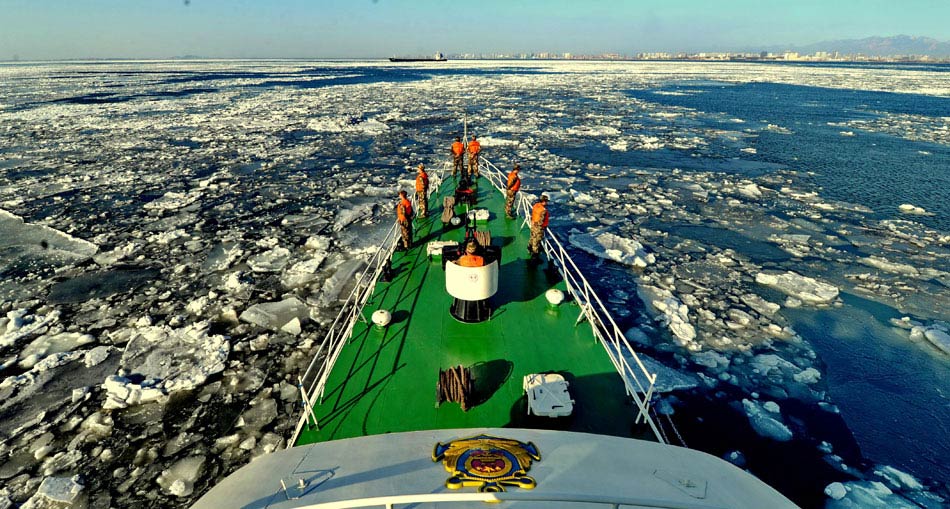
x: 458, y: 166
x: 406, y: 228
x: 422, y: 201
x: 510, y: 203
x: 534, y: 242
x: 473, y: 165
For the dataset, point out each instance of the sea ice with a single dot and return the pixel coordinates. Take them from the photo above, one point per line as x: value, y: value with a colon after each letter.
x: 273, y: 260
x: 866, y: 495
x: 613, y: 247
x: 803, y: 288
x: 56, y: 493
x: 179, y: 479
x: 765, y: 422
x: 673, y: 313
x: 167, y: 360
x: 275, y: 315
x: 46, y: 345
x: 938, y: 333
x: 907, y: 208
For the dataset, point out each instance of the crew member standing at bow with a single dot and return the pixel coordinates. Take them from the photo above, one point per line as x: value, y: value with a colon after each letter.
x: 422, y: 191
x: 514, y: 184
x: 458, y: 150
x: 539, y: 223
x: 404, y: 218
x: 474, y: 149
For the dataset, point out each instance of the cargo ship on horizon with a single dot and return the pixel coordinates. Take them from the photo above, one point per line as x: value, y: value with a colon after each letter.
x: 438, y: 57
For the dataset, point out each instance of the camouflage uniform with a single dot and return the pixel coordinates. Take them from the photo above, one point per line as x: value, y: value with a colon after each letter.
x: 473, y: 164
x: 422, y: 200
x: 534, y: 242
x: 406, y: 227
x: 510, y: 202
x: 458, y: 165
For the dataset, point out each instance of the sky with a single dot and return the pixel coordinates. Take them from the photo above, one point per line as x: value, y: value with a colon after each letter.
x: 75, y: 29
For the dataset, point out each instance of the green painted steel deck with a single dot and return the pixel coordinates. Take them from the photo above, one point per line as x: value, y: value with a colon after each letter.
x: 385, y: 379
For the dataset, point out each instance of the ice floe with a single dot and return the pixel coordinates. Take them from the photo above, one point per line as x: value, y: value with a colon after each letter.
x: 607, y: 245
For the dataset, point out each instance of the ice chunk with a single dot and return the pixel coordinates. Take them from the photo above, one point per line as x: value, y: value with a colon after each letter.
x: 58, y: 492
x: 613, y: 247
x: 19, y: 238
x: 174, y: 200
x: 302, y: 273
x: 750, y: 190
x: 836, y: 491
x: 673, y: 313
x: 270, y: 261
x: 759, y: 304
x: 765, y: 423
x: 807, y: 376
x: 179, y: 479
x: 348, y: 216
x: 275, y: 315
x: 898, y: 479
x: 803, y: 288
x: 882, y: 263
x: 222, y: 256
x: 907, y: 208
x: 122, y: 392
x: 667, y: 379
x: 46, y: 345
x: 868, y: 495
x: 168, y: 360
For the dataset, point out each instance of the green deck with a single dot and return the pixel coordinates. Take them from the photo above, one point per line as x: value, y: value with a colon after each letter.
x: 385, y: 379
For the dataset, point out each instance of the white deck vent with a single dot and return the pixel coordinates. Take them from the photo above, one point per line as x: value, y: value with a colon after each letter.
x: 381, y: 318
x: 555, y: 297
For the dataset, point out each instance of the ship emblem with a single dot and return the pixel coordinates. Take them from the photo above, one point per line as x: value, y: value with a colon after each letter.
x: 487, y: 463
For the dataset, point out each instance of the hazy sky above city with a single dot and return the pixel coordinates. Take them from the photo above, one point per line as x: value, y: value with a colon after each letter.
x: 66, y: 29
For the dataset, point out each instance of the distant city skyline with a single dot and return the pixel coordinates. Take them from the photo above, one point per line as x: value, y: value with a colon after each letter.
x: 70, y: 29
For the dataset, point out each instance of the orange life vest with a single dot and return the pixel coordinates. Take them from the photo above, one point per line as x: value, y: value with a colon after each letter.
x: 458, y: 148
x: 422, y: 182
x: 403, y: 210
x: 474, y: 147
x: 539, y: 215
x: 514, y: 182
x: 470, y: 260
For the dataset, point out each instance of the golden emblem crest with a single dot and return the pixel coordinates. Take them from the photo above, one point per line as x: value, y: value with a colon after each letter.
x: 487, y: 463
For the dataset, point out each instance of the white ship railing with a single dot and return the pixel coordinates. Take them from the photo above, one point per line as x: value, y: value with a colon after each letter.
x: 342, y: 327
x: 637, y: 379
x: 556, y: 499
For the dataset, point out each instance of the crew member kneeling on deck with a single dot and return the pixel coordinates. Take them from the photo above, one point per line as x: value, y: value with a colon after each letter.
x: 404, y: 218
x: 470, y: 259
x: 422, y: 191
x: 539, y: 223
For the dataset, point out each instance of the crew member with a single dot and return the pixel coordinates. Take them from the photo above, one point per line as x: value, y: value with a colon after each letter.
x: 470, y: 259
x: 422, y: 191
x: 458, y: 150
x: 539, y: 223
x: 404, y: 218
x: 474, y: 149
x: 514, y: 184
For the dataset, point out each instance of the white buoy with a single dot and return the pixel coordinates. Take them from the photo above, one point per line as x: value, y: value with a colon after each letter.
x: 555, y: 297
x: 381, y: 317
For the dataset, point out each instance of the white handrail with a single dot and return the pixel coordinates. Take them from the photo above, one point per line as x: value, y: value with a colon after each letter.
x: 389, y: 502
x: 604, y: 327
x: 342, y: 326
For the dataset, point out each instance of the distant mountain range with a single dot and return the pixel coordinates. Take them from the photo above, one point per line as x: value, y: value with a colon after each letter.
x: 875, y: 46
